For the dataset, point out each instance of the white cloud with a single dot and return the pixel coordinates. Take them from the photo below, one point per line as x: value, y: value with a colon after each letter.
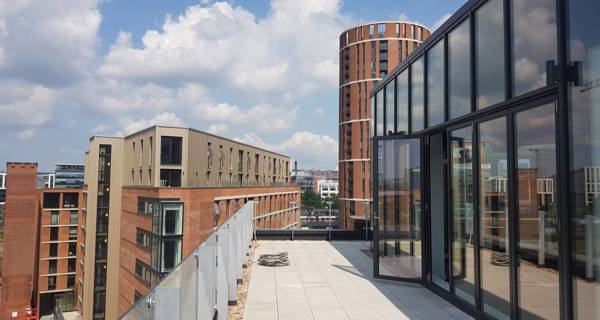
x: 48, y: 42
x: 229, y: 46
x: 217, y: 128
x: 438, y: 23
x: 100, y: 128
x: 26, y: 134
x: 263, y: 117
x: 310, y: 149
x: 23, y: 104
x: 166, y: 119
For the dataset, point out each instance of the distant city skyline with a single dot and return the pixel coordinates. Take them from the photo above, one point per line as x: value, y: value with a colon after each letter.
x: 80, y: 68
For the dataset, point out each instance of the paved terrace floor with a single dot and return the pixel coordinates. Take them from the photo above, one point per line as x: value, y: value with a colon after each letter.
x: 331, y: 281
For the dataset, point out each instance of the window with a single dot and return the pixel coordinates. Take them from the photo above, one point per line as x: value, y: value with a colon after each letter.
x: 171, y: 254
x: 493, y: 202
x: 52, y: 249
x: 417, y: 95
x: 144, y: 238
x: 54, y: 218
x: 72, y: 249
x: 72, y: 233
x: 73, y: 217
x: 371, y: 31
x: 170, y: 150
x: 51, y: 200
x: 172, y: 217
x: 462, y: 195
x: 52, y: 266
x: 379, y: 114
x: 383, y: 65
x: 381, y: 30
x: 402, y: 102
x: 71, y: 281
x: 209, y: 156
x: 459, y: 71
x: 52, y: 283
x: 389, y: 108
x: 489, y: 53
x: 54, y: 234
x: 221, y: 158
x: 70, y: 200
x: 397, y: 30
x: 435, y: 84
x: 136, y: 296
x: 145, y: 273
x: 170, y: 178
x: 383, y: 45
x: 71, y: 265
x: 372, y: 120
x: 534, y: 42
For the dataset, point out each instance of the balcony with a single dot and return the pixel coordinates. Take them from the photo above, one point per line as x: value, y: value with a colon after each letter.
x: 324, y: 280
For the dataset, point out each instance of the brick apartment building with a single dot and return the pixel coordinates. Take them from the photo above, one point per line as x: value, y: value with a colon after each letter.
x: 367, y: 53
x: 42, y: 245
x: 151, y: 201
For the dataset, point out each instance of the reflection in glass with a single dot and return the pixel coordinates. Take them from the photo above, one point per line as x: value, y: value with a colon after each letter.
x: 399, y: 202
x: 538, y: 214
x: 463, y: 237
x: 493, y: 203
x: 435, y: 84
x: 489, y: 23
x: 437, y: 193
x: 379, y: 114
x: 585, y: 162
x: 417, y: 95
x: 459, y: 71
x: 372, y: 120
x: 389, y: 108
x: 402, y: 102
x: 534, y: 42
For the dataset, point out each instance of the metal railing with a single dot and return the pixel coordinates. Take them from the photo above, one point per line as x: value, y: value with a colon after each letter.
x: 204, y: 283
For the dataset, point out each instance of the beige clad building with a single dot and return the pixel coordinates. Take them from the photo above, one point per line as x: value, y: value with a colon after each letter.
x: 168, y: 167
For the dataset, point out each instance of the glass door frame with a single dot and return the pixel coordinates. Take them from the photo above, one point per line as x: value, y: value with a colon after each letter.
x: 376, y: 214
x: 508, y: 111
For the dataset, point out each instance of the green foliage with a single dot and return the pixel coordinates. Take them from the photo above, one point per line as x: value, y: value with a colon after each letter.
x: 314, y: 200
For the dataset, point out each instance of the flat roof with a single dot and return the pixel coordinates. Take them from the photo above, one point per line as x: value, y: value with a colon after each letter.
x: 195, y: 130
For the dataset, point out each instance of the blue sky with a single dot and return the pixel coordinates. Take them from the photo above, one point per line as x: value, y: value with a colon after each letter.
x: 262, y: 72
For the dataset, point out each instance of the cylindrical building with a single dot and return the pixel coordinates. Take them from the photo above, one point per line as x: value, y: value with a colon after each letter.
x: 367, y: 53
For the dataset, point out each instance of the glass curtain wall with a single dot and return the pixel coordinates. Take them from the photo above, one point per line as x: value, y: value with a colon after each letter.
x: 463, y: 217
x: 402, y: 103
x: 489, y: 53
x: 493, y: 221
x: 417, y: 83
x: 584, y: 99
x: 435, y: 84
x: 399, y: 201
x: 537, y: 213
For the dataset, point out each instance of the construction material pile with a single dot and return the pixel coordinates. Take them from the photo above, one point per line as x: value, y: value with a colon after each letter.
x: 274, y: 260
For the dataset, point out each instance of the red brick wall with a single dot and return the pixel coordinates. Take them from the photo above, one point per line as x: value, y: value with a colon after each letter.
x: 19, y: 271
x: 198, y: 223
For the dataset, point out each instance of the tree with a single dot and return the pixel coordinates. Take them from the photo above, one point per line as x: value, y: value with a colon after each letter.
x: 311, y: 199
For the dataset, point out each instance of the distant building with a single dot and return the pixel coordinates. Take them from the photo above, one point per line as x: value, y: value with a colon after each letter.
x: 306, y: 182
x: 152, y: 199
x: 328, y: 187
x: 68, y: 175
x: 43, y: 244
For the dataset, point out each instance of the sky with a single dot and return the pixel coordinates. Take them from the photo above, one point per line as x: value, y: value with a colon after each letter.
x: 261, y: 72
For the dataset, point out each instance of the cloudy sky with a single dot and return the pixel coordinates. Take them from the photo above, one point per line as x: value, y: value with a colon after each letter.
x: 263, y: 72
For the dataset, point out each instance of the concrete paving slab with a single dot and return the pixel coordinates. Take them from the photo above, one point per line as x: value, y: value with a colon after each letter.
x: 334, y: 280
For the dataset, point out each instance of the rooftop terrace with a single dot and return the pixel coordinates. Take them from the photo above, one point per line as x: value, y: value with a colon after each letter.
x: 334, y: 280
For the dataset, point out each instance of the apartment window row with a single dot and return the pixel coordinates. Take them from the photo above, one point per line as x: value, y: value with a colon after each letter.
x: 55, y: 217
x: 146, y: 274
x: 402, y: 30
x: 53, y: 249
x: 52, y: 200
x: 420, y: 89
